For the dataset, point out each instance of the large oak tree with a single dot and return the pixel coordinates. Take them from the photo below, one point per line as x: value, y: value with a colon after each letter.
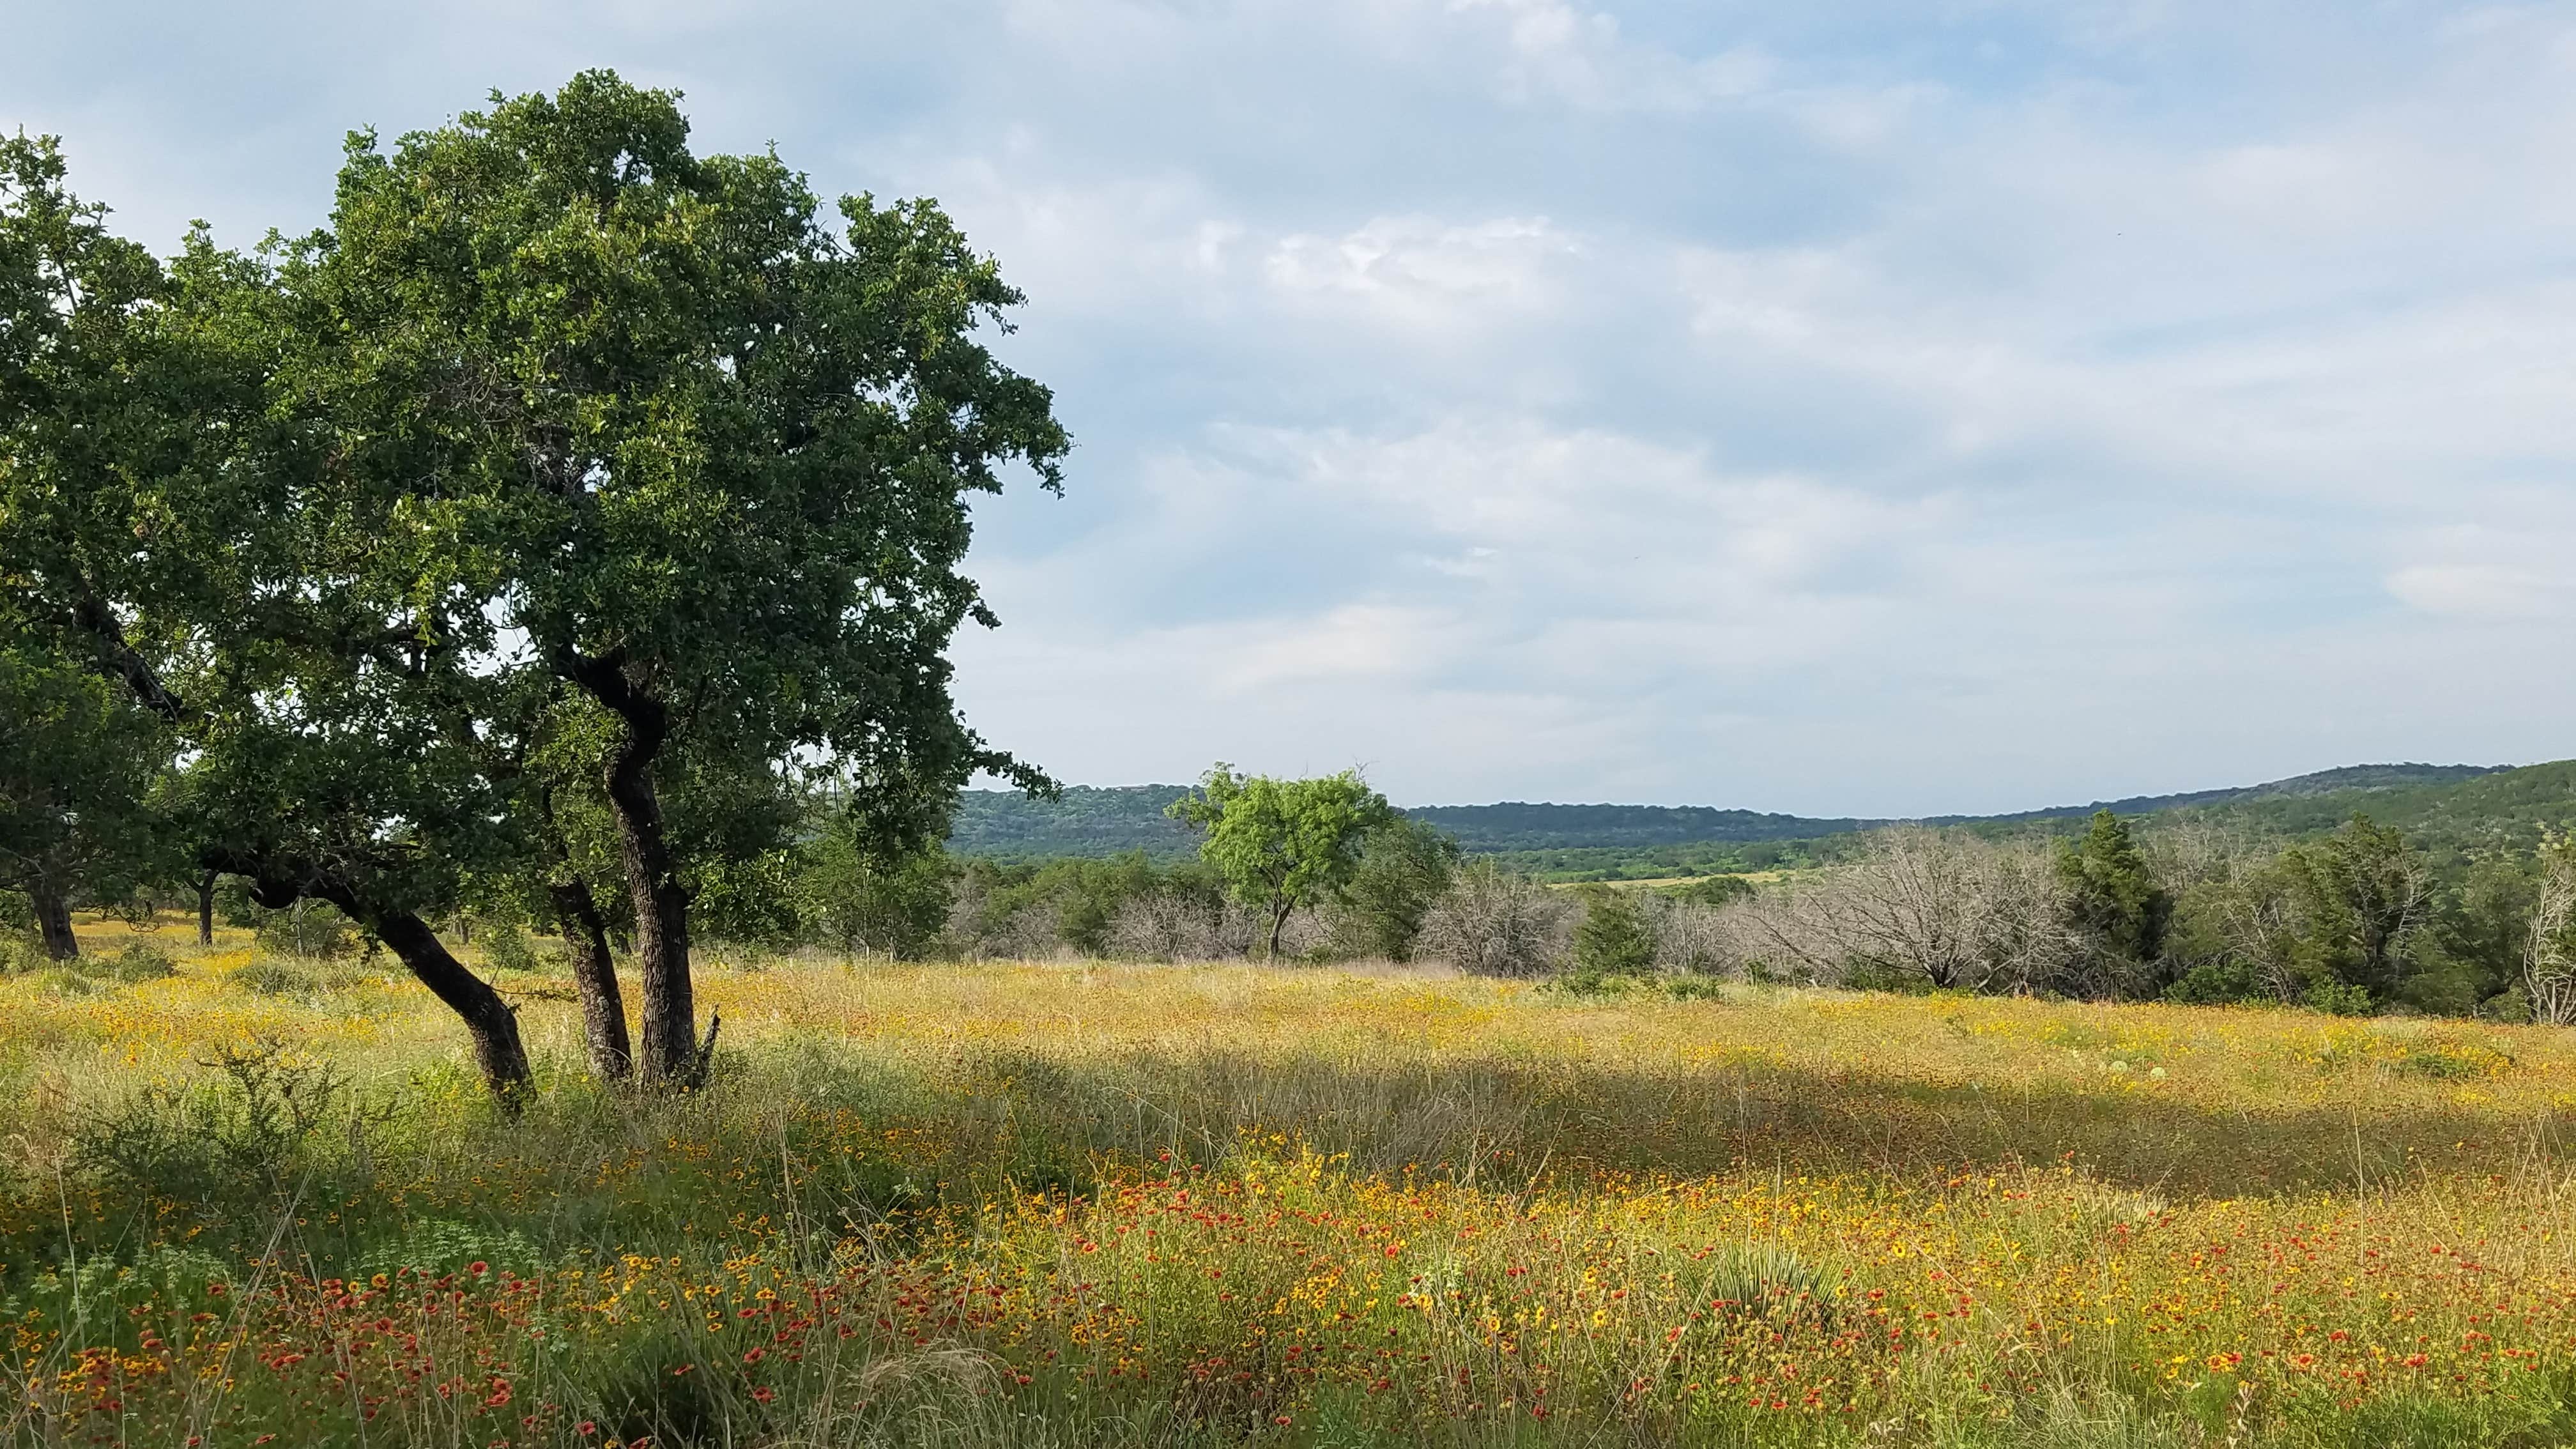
x: 172, y: 519
x: 700, y: 453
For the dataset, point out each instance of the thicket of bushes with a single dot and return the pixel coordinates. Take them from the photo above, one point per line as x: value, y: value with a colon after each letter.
x: 2356, y: 920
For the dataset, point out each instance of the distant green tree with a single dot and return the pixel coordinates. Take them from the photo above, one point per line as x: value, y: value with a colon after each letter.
x: 859, y: 901
x: 1281, y: 844
x: 2112, y: 896
x: 78, y: 770
x: 2364, y: 896
x: 1714, y: 890
x: 1614, y: 938
x: 1405, y: 867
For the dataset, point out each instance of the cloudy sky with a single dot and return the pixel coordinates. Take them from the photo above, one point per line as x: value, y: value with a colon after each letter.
x: 1831, y: 407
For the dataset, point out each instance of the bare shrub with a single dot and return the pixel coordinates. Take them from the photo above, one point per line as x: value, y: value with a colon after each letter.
x: 1033, y: 932
x: 1169, y: 926
x: 1694, y: 939
x: 2549, y: 947
x: 1494, y: 923
x: 1937, y: 908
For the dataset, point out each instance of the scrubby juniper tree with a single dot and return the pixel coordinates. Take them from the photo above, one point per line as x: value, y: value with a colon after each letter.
x: 1405, y: 867
x: 2118, y: 909
x: 703, y: 455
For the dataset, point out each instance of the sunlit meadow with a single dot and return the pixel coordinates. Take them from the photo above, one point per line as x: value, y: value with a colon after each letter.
x: 257, y: 1202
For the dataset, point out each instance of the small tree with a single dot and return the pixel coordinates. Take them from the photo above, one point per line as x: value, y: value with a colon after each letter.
x: 1281, y: 844
x: 2363, y: 895
x: 1405, y: 866
x: 77, y: 768
x: 2119, y: 910
x: 1615, y: 938
x: 860, y: 901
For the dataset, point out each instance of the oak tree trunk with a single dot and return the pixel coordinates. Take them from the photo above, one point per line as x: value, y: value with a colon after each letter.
x: 54, y: 921
x: 660, y: 901
x: 206, y: 909
x: 490, y: 1021
x: 594, y: 973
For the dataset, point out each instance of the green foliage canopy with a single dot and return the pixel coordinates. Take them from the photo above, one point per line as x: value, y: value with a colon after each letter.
x: 1280, y: 844
x: 79, y: 765
x: 705, y: 453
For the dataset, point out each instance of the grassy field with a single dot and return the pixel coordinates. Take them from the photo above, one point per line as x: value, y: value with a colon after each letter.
x: 259, y: 1202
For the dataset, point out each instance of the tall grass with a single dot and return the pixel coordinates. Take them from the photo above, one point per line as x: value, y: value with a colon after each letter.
x: 1067, y: 1204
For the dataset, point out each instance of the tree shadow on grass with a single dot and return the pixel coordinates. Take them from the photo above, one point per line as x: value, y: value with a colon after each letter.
x: 1500, y: 1120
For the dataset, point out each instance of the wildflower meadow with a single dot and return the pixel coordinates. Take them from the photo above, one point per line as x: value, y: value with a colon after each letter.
x: 255, y: 1201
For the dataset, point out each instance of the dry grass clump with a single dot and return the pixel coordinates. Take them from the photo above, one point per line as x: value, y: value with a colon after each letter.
x: 1178, y: 1205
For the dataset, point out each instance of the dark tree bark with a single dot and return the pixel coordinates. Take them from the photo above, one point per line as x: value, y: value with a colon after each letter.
x: 661, y: 907
x: 653, y: 885
x: 206, y: 908
x: 594, y: 972
x: 54, y: 921
x: 490, y: 1021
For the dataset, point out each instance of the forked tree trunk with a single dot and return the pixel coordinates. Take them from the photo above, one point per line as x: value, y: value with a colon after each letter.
x: 661, y: 905
x: 594, y: 973
x: 54, y: 921
x: 670, y: 1054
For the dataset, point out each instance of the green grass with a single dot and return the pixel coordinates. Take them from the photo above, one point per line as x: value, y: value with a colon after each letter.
x: 1013, y: 1204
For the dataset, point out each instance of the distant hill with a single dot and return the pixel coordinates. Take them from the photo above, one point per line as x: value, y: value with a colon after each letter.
x: 1695, y: 839
x: 2340, y: 781
x: 1514, y: 825
x: 2490, y: 809
x: 1089, y: 820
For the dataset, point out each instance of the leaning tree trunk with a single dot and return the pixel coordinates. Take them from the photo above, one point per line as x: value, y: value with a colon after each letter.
x: 594, y: 972
x: 489, y: 1021
x: 206, y: 909
x: 660, y: 901
x: 54, y: 921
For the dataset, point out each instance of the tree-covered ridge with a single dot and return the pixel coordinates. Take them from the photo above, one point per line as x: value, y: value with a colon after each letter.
x: 1086, y: 821
x: 2496, y: 809
x: 2339, y: 782
x: 1616, y: 841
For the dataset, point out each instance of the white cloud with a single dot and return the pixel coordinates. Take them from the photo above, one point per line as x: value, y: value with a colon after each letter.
x: 1581, y: 58
x: 1423, y: 273
x: 2478, y: 591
